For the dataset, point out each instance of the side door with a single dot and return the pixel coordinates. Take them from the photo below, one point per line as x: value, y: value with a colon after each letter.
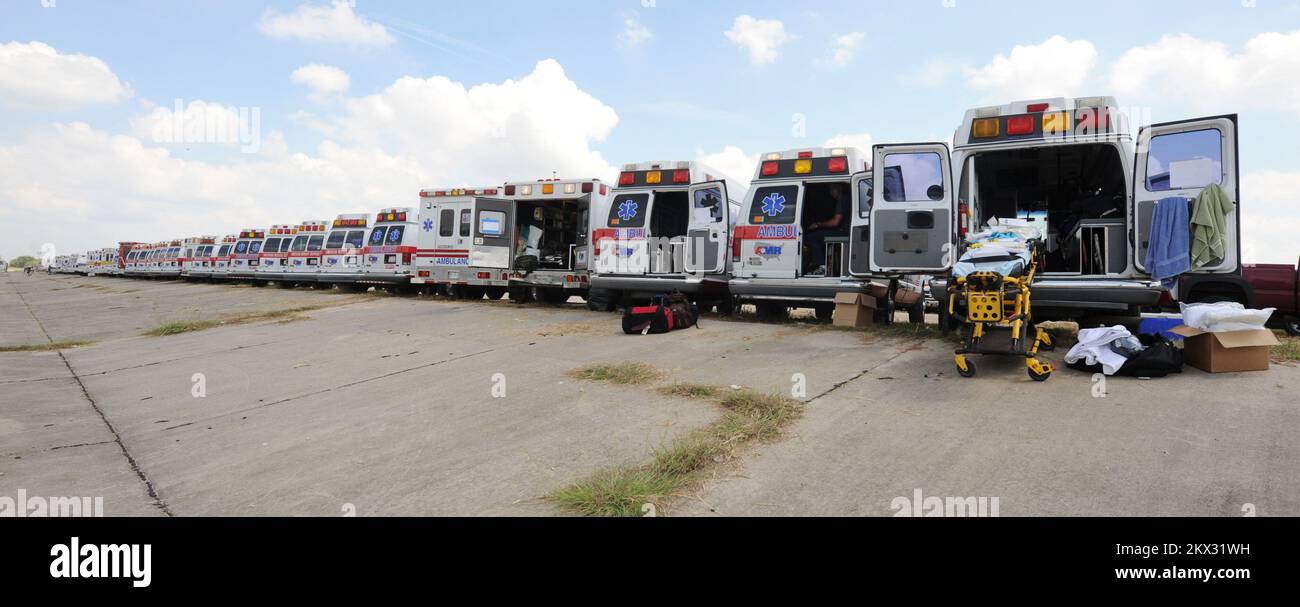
x: 860, y: 225
x: 492, y: 233
x: 912, y: 226
x: 1179, y: 160
x: 769, y: 240
x: 706, y: 243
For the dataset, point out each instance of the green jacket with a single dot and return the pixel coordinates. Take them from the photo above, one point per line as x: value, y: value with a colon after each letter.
x: 1210, y: 225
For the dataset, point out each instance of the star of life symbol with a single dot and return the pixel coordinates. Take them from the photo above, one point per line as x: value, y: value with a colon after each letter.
x: 627, y: 210
x: 428, y: 225
x: 773, y: 204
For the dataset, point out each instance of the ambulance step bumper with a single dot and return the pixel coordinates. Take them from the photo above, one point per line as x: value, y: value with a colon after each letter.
x: 794, y: 290
x: 650, y: 285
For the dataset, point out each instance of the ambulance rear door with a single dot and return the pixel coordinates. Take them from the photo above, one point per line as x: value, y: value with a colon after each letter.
x: 444, y: 232
x: 706, y: 243
x: 770, y: 245
x: 912, y: 227
x: 492, y: 231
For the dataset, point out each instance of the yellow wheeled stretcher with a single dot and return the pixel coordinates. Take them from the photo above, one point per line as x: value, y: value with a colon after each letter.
x: 996, y: 301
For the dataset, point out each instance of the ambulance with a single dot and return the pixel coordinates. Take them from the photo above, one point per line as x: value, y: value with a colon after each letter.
x: 82, y: 264
x: 245, y: 257
x: 135, y: 260
x: 124, y: 250
x: 666, y: 230
x: 538, y: 233
x: 169, y: 265
x: 1073, y: 167
x: 390, y: 249
x: 442, y: 259
x: 195, y: 257
x: 103, y: 262
x: 790, y: 251
x: 273, y: 261
x: 222, y: 256
x: 305, y: 253
x: 341, y: 259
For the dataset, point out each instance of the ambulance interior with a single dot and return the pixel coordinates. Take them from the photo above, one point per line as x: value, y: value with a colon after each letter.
x: 671, y: 215
x: 1076, y: 194
x: 825, y: 249
x: 548, y: 232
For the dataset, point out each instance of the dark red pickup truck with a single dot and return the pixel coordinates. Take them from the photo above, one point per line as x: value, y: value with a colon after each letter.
x: 1276, y: 286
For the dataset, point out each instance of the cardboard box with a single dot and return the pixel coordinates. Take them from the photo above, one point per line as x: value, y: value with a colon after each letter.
x: 853, y: 310
x: 1227, y: 351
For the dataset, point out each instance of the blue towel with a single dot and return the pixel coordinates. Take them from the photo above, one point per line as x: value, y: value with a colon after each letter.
x: 1169, y: 249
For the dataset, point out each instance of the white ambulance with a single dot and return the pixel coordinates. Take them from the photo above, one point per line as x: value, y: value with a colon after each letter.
x: 135, y: 260
x: 802, y: 239
x: 1073, y: 166
x: 341, y: 259
x: 305, y: 253
x: 194, y: 257
x: 120, y: 263
x: 539, y: 232
x: 666, y: 229
x: 273, y: 261
x: 169, y: 265
x: 107, y: 262
x: 389, y: 254
x: 245, y: 258
x: 222, y: 257
x: 446, y: 225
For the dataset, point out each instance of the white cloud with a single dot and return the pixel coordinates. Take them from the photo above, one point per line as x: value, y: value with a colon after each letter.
x: 1209, y: 76
x: 325, y: 81
x: 634, y: 33
x: 197, y: 122
x: 861, y: 141
x: 846, y: 47
x: 1269, y: 221
x: 36, y: 75
x: 320, y: 23
x: 737, y: 167
x: 760, y: 37
x: 81, y: 187
x: 1056, y: 67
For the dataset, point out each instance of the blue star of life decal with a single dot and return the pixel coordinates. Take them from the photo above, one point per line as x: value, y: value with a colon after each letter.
x: 428, y: 225
x: 773, y: 204
x: 627, y: 210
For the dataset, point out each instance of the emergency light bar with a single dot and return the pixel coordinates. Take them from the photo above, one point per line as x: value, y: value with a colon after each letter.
x: 390, y: 216
x: 806, y: 165
x: 313, y: 226
x: 547, y: 188
x: 284, y: 230
x: 254, y: 234
x: 654, y: 177
x: 349, y: 223
x: 459, y: 192
x: 1041, y: 124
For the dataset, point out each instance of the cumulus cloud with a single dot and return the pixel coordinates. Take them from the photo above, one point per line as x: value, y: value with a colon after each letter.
x: 634, y: 33
x: 737, y: 166
x: 1265, y: 74
x: 36, y: 75
x: 861, y: 141
x: 336, y: 23
x: 846, y: 47
x: 324, y: 81
x: 761, y: 38
x: 1053, y: 68
x: 199, y: 122
x: 418, y: 132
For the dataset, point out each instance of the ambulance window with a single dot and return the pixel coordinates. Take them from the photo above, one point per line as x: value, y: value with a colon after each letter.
x: 708, y: 204
x: 864, y: 198
x: 223, y: 251
x: 299, y: 244
x: 628, y: 211
x: 464, y: 222
x: 356, y: 238
x: 1191, y: 159
x: 336, y: 239
x: 913, y: 177
x: 377, y: 236
x: 314, y: 243
x: 446, y: 221
x: 774, y: 205
x: 395, y: 234
x: 241, y: 247
x: 491, y: 223
x: 255, y: 247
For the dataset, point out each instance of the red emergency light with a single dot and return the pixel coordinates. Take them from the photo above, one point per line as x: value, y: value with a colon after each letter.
x: 838, y: 164
x: 1034, y: 108
x: 770, y: 168
x: 510, y: 190
x: 1020, y: 125
x: 626, y: 178
x: 681, y: 176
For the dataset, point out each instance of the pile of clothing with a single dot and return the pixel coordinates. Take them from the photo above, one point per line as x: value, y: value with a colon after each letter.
x: 1005, y: 246
x: 1116, y: 351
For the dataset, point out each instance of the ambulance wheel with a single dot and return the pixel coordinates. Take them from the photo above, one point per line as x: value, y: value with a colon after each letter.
x: 772, y: 311
x: 916, y: 314
x: 358, y: 288
x: 726, y: 306
x: 258, y: 283
x: 1292, y: 325
x: 550, y: 296
x: 473, y: 293
x: 1039, y: 376
x: 496, y: 293
x: 824, y: 312
x: 519, y: 294
x: 284, y: 285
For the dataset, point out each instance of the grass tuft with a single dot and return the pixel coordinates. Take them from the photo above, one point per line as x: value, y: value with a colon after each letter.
x: 48, y: 347
x: 625, y: 490
x: 624, y: 373
x: 1287, y: 351
x: 690, y: 390
x: 188, y: 326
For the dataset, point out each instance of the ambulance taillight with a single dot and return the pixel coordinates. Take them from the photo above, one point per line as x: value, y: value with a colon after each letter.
x: 681, y: 176
x: 771, y: 168
x: 838, y: 164
x: 624, y: 178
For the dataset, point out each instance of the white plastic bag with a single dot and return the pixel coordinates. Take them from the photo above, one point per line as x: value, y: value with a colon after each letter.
x: 1224, y: 316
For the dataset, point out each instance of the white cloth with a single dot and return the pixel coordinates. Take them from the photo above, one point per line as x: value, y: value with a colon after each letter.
x: 1224, y: 316
x: 1094, y: 348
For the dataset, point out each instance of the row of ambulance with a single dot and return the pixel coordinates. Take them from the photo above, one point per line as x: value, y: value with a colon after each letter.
x: 816, y: 222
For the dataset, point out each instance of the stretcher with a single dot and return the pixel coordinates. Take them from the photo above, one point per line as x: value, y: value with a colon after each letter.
x: 991, y: 291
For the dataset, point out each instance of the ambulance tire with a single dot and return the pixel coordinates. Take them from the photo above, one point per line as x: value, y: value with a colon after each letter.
x: 1292, y: 326
x: 358, y: 287
x: 496, y: 293
x: 520, y: 295
x: 258, y: 283
x: 473, y: 293
x: 725, y: 307
x: 285, y: 284
x: 772, y: 311
x: 550, y: 296
x: 824, y: 311
x: 916, y: 314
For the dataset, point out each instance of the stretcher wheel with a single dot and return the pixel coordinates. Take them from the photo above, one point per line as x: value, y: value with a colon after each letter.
x: 1047, y: 345
x: 969, y: 371
x: 1039, y: 376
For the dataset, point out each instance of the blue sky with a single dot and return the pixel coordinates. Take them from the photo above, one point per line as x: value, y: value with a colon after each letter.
x: 907, y: 70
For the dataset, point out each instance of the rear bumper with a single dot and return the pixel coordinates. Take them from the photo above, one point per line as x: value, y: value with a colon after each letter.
x: 652, y: 285
x: 384, y: 279
x: 552, y: 278
x: 801, y: 289
x: 339, y: 277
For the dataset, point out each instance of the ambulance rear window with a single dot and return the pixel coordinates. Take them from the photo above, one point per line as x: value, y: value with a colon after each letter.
x: 377, y: 236
x: 272, y: 245
x: 315, y: 242
x: 628, y: 211
x: 299, y: 244
x: 224, y: 250
x: 255, y: 247
x: 395, y: 234
x: 336, y: 239
x: 241, y: 247
x: 774, y: 205
x: 356, y: 238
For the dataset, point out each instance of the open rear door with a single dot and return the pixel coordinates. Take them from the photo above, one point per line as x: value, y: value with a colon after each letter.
x: 912, y: 229
x: 493, y: 233
x: 706, y: 248
x: 860, y: 234
x: 1178, y: 160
